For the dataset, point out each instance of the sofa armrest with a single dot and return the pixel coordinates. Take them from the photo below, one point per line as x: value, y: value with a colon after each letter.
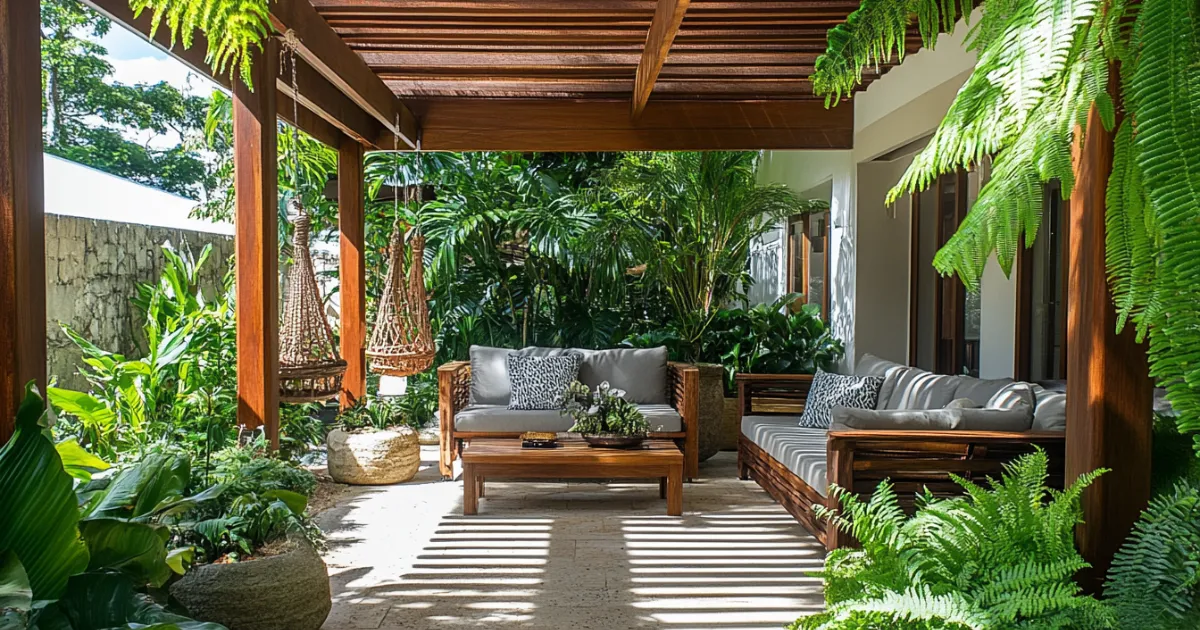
x: 683, y: 392
x: 454, y: 389
x: 772, y: 393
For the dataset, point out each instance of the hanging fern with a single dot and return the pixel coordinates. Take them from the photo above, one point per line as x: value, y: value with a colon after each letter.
x: 1042, y: 66
x: 234, y: 29
x: 999, y: 557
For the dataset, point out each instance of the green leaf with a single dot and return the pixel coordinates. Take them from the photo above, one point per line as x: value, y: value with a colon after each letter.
x: 15, y: 593
x: 137, y: 549
x: 180, y: 558
x: 149, y: 484
x: 39, y: 519
x: 86, y: 407
x: 295, y: 501
x: 77, y: 462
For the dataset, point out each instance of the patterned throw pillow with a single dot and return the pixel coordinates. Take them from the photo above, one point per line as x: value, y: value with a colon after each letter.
x: 838, y: 390
x: 538, y: 382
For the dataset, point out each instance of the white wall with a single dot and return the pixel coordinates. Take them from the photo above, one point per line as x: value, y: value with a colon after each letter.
x: 881, y: 310
x: 997, y: 322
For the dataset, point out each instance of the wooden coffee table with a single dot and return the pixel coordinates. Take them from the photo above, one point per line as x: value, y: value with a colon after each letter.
x: 572, y: 459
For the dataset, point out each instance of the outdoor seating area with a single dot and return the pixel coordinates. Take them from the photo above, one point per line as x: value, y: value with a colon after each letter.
x: 599, y: 314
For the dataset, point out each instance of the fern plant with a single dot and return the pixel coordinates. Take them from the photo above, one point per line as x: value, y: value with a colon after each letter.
x: 1042, y: 66
x: 998, y: 557
x: 234, y: 29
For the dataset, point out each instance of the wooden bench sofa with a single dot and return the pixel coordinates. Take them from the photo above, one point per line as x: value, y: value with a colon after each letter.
x: 454, y: 396
x: 796, y: 465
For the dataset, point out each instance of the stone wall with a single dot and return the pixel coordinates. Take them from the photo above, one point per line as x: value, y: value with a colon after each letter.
x: 92, y: 272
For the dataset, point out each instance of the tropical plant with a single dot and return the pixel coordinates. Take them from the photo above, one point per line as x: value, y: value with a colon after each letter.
x: 999, y: 557
x: 604, y: 410
x: 1043, y: 67
x: 1154, y: 581
x: 64, y: 568
x: 701, y: 210
x: 234, y: 29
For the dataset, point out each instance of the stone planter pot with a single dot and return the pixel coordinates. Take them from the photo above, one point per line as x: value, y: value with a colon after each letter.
x: 289, y: 591
x: 712, y: 408
x: 373, y: 458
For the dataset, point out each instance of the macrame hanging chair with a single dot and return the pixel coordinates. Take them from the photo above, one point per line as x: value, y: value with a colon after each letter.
x: 309, y: 366
x: 402, y: 342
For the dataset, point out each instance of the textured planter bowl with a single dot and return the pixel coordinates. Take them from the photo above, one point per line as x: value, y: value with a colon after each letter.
x: 614, y: 440
x: 374, y: 458
x: 712, y: 408
x: 289, y: 591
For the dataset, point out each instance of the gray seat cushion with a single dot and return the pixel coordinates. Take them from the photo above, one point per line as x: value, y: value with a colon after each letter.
x: 641, y: 372
x: 489, y: 372
x: 800, y: 449
x: 871, y: 365
x: 501, y: 419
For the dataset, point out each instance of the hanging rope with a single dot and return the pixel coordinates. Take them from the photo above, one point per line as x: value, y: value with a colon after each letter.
x: 309, y: 366
x: 402, y: 342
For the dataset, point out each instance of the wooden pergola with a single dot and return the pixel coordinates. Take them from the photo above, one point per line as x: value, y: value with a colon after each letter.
x: 534, y: 75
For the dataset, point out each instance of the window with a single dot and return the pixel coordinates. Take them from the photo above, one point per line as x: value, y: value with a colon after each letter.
x: 1041, y: 352
x: 808, y: 258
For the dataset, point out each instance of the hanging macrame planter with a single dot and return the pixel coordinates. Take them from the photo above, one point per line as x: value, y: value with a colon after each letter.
x: 402, y: 342
x: 309, y: 366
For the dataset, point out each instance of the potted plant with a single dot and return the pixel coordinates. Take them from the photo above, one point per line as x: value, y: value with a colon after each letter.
x: 372, y: 445
x: 603, y: 417
x: 257, y: 566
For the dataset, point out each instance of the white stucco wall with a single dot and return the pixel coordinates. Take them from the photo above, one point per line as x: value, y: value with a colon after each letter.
x: 881, y: 311
x: 997, y: 323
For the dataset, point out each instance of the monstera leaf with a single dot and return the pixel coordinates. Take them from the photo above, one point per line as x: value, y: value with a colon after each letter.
x: 39, y: 517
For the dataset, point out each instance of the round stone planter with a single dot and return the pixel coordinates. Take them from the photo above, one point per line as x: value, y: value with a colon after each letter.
x: 712, y: 408
x: 289, y: 591
x: 373, y: 458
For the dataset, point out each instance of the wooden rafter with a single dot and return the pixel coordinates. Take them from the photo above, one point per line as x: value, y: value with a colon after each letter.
x: 325, y: 51
x: 668, y: 16
x: 323, y: 99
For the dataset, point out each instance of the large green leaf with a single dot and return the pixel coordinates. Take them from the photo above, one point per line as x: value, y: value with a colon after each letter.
x: 102, y: 600
x: 15, y: 593
x: 157, y: 479
x: 137, y: 549
x: 77, y: 462
x: 86, y: 407
x: 38, y: 512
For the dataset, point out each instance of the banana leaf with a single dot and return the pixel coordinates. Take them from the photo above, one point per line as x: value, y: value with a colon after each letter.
x: 39, y: 518
x: 15, y: 593
x: 136, y: 549
x: 157, y: 480
x: 77, y: 462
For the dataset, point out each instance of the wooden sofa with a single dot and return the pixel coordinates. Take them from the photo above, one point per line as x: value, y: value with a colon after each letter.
x: 454, y: 393
x: 859, y: 459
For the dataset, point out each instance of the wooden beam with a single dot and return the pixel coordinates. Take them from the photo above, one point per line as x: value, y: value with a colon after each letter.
x: 668, y: 15
x: 320, y: 96
x: 325, y: 51
x: 481, y: 125
x: 22, y: 225
x: 1109, y: 391
x: 256, y: 203
x: 352, y: 267
x: 323, y: 99
x: 320, y: 129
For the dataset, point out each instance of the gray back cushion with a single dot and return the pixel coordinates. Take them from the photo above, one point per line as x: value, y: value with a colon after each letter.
x: 641, y: 372
x: 895, y: 419
x: 980, y: 390
x: 489, y: 372
x: 917, y: 389
x: 1050, y: 412
x: 871, y: 365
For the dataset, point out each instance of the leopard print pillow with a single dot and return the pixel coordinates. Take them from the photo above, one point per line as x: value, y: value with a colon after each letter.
x: 538, y: 382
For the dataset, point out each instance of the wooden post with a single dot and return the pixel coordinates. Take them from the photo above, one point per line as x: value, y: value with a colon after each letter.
x: 1109, y: 391
x: 257, y: 225
x: 352, y: 270
x: 22, y: 226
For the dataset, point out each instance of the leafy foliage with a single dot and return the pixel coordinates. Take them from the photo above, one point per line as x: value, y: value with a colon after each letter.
x: 93, y: 120
x: 602, y: 411
x: 234, y: 29
x: 1002, y: 557
x: 1043, y: 68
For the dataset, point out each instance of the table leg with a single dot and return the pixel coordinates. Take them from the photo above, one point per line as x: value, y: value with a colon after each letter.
x: 470, y: 493
x: 479, y: 485
x: 662, y: 487
x: 675, y: 491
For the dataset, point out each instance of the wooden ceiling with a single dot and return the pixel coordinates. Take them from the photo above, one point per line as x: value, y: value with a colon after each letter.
x: 725, y: 50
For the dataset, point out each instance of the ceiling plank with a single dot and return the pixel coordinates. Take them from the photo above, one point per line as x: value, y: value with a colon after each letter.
x: 566, y: 125
x: 668, y: 15
x: 325, y: 51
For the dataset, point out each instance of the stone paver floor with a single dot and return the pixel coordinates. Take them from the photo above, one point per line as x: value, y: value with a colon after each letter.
x: 568, y: 556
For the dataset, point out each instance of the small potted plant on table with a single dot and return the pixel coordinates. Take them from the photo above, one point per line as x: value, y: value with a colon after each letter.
x: 603, y: 417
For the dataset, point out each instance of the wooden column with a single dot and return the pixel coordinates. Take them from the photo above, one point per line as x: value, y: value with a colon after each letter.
x: 352, y: 270
x: 22, y: 226
x: 1109, y: 391
x: 257, y: 240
